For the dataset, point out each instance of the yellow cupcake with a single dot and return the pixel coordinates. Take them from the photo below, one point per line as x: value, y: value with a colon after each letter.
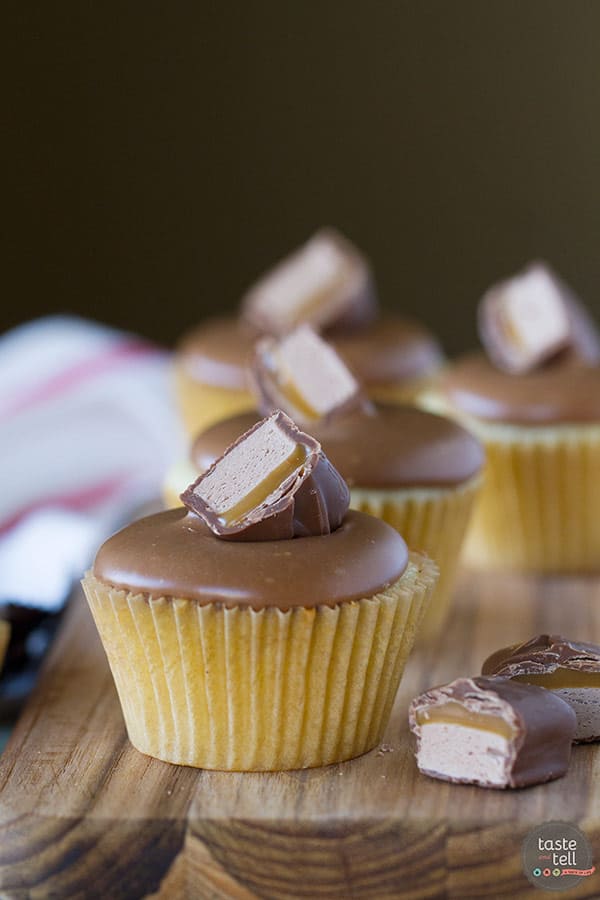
x: 541, y: 431
x: 303, y: 674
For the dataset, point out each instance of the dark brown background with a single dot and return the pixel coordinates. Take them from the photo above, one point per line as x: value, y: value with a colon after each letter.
x: 163, y: 154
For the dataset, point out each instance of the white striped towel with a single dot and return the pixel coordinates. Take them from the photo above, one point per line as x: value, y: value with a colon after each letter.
x: 87, y: 431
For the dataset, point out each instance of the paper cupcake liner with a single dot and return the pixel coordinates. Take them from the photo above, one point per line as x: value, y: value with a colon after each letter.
x: 431, y: 520
x: 4, y: 639
x: 538, y: 510
x: 202, y: 405
x: 245, y: 690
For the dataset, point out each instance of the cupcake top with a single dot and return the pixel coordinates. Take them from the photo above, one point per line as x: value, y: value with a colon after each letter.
x: 217, y: 352
x: 565, y: 391
x: 175, y: 554
x: 398, y: 447
x: 391, y: 350
x: 266, y: 525
x: 543, y: 355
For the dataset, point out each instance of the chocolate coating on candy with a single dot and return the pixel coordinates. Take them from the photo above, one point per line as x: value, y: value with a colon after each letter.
x: 535, y: 748
x: 564, y: 391
x: 325, y: 283
x: 174, y: 554
x: 400, y: 447
x: 569, y: 668
x: 272, y: 483
x: 531, y: 318
x: 304, y: 376
x: 524, y: 320
x: 542, y: 655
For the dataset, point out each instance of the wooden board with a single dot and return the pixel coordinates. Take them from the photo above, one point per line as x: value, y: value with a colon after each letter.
x: 84, y: 815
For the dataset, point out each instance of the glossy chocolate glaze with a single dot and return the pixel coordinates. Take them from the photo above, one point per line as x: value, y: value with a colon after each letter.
x: 562, y: 391
x: 174, y: 554
x: 398, y: 447
x: 389, y: 351
x: 544, y: 724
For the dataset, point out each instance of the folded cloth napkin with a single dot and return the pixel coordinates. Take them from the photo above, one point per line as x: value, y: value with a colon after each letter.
x: 87, y: 430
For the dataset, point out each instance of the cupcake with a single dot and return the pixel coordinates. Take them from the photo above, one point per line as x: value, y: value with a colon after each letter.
x: 328, y: 284
x: 417, y: 471
x: 211, y: 372
x: 534, y: 402
x: 263, y: 626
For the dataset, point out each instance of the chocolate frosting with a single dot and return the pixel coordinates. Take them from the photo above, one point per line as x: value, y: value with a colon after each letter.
x: 398, y: 447
x: 391, y: 350
x: 541, y: 655
x: 312, y: 501
x: 562, y: 391
x: 174, y: 554
x: 544, y: 724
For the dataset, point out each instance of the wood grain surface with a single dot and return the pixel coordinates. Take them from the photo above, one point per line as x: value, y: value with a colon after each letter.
x: 84, y: 815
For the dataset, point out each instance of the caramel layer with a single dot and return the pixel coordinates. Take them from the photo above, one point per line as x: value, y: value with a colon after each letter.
x: 266, y: 487
x: 452, y: 713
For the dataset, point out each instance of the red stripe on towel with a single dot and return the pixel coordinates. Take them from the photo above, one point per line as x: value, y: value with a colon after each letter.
x: 82, y: 371
x: 78, y: 500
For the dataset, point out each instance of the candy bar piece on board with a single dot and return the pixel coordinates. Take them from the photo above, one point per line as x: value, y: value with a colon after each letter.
x: 273, y: 483
x: 303, y: 375
x: 571, y: 669
x: 326, y: 283
x: 492, y: 732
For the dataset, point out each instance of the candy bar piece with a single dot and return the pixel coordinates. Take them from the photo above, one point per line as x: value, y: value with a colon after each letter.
x: 325, y: 283
x: 273, y: 483
x: 568, y: 668
x: 304, y: 376
x: 525, y: 320
x: 492, y: 732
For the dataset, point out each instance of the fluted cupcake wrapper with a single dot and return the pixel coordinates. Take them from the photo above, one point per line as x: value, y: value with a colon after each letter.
x: 538, y: 510
x: 4, y: 639
x: 251, y: 690
x: 432, y: 520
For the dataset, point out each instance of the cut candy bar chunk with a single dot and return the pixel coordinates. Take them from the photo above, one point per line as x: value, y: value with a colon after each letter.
x: 570, y: 669
x: 325, y: 283
x: 525, y: 320
x: 304, y: 376
x: 492, y: 732
x: 273, y: 483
